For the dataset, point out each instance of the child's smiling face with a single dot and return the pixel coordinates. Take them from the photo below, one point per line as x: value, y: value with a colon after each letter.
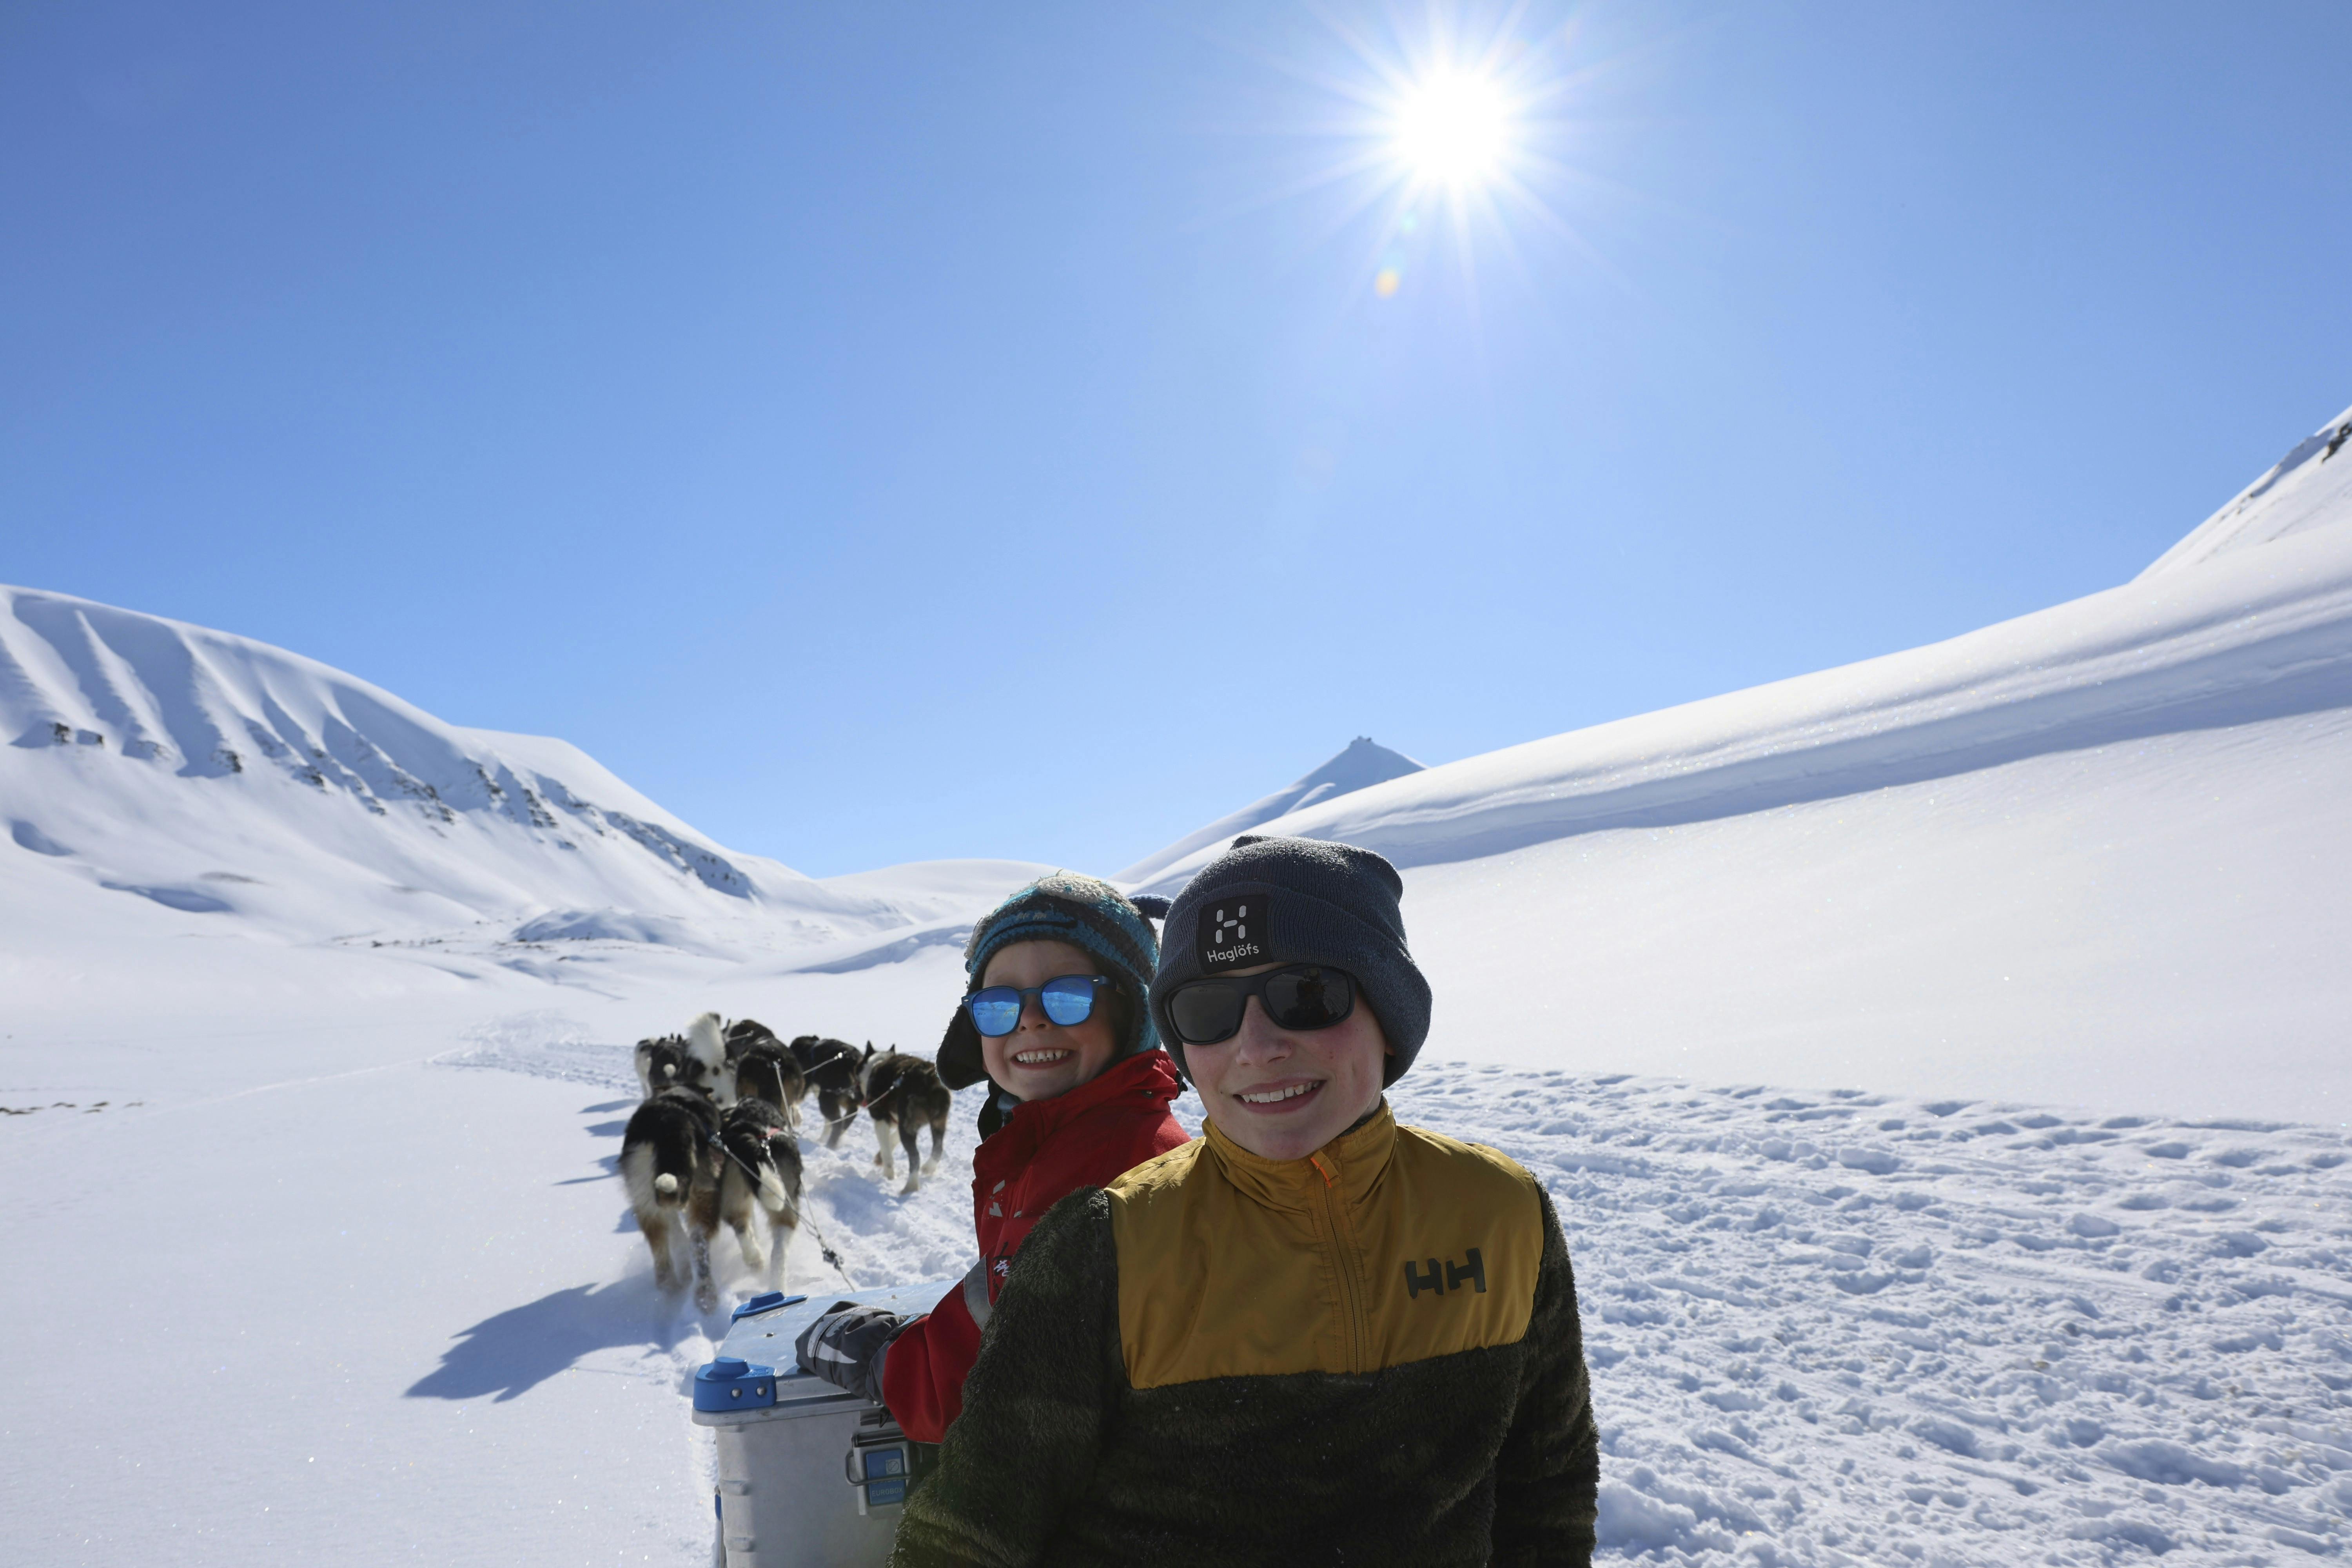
x: 1041, y: 1059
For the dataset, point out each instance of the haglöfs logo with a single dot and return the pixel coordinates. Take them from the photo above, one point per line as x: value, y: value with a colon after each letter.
x: 1233, y: 934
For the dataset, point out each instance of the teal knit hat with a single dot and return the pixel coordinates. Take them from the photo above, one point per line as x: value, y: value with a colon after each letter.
x: 1088, y: 914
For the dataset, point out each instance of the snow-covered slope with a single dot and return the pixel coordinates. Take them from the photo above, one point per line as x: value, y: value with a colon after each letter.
x: 215, y: 775
x: 2309, y: 488
x: 2091, y: 853
x: 1363, y: 763
x: 2251, y: 634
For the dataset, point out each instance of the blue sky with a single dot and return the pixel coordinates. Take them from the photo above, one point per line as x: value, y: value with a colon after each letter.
x: 886, y: 432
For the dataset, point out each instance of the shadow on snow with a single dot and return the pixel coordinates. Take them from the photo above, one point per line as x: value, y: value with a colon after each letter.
x: 513, y: 1352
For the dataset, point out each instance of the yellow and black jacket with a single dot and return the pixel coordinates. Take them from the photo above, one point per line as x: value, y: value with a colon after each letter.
x: 1370, y: 1355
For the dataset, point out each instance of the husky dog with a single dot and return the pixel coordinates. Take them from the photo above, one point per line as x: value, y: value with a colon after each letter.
x: 707, y: 1046
x: 662, y: 1063
x: 902, y: 1093
x: 759, y: 1178
x: 831, y: 1069
x: 772, y: 1073
x: 745, y: 1033
x: 695, y: 1059
x: 669, y: 1164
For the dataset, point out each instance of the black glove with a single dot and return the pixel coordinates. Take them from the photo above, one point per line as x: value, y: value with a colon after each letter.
x: 846, y: 1346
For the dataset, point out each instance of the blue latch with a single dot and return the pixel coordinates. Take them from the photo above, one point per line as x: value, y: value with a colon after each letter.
x: 731, y: 1383
x: 766, y: 1301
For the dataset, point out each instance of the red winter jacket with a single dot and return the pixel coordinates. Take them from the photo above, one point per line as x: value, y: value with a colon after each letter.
x: 1088, y: 1137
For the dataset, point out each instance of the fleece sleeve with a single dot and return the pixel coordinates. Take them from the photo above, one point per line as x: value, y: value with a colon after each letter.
x: 922, y: 1378
x: 1548, y: 1472
x: 1035, y: 1407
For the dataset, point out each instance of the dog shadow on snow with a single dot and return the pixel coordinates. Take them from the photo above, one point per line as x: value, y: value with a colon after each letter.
x: 511, y: 1353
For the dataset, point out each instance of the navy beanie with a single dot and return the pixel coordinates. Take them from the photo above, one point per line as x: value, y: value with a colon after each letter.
x: 1087, y: 914
x: 1299, y: 900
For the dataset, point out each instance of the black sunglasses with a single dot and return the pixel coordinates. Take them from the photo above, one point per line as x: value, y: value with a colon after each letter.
x: 1297, y: 996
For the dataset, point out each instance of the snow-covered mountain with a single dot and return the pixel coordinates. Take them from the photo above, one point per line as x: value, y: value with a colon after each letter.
x: 1363, y: 763
x: 2252, y: 634
x: 150, y: 760
x: 2073, y: 855
x: 2305, y: 490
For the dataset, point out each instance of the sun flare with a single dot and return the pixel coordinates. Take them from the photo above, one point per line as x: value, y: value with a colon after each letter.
x: 1443, y: 145
x: 1453, y: 129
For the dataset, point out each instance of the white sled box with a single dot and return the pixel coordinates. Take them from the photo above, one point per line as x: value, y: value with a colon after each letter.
x: 809, y: 1476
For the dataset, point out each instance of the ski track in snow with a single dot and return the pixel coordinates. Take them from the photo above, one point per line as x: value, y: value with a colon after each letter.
x: 1848, y: 1328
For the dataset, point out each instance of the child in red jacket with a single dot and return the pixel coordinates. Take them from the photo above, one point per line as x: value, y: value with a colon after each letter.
x: 1054, y: 1016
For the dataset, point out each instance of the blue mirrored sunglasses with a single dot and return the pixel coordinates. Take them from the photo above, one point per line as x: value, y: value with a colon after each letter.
x: 1067, y: 999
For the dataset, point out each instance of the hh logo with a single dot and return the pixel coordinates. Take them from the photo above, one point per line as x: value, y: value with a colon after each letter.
x: 1470, y: 1272
x: 1233, y: 933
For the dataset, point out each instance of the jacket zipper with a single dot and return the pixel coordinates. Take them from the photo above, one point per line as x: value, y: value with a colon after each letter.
x: 1345, y: 1263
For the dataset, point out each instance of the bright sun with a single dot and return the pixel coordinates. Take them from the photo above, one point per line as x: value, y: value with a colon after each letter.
x: 1453, y: 128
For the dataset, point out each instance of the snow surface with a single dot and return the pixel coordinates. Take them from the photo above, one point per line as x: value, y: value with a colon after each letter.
x: 394, y: 1309
x: 2034, y: 1246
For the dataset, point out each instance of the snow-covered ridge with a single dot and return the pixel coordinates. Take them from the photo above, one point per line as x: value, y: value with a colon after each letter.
x: 2309, y: 488
x: 2251, y: 634
x: 1364, y: 764
x: 204, y: 704
x: 214, y: 775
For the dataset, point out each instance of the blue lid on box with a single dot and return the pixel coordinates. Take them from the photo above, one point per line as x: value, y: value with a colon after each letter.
x: 766, y: 1337
x: 732, y: 1384
x: 766, y: 1301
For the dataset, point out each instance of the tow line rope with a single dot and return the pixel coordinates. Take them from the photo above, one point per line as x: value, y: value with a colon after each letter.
x: 831, y: 1123
x: 825, y: 1248
x: 825, y: 1251
x: 844, y: 1121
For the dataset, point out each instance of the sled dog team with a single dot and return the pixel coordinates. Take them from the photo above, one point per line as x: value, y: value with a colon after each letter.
x: 1312, y: 1335
x: 716, y: 1137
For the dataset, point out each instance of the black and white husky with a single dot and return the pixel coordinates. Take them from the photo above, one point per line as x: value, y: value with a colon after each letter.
x: 706, y: 1041
x: 670, y: 1167
x: 661, y: 1063
x: 695, y: 1059
x: 759, y: 1184
x: 831, y: 1069
x: 666, y: 1063
x: 903, y: 1093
